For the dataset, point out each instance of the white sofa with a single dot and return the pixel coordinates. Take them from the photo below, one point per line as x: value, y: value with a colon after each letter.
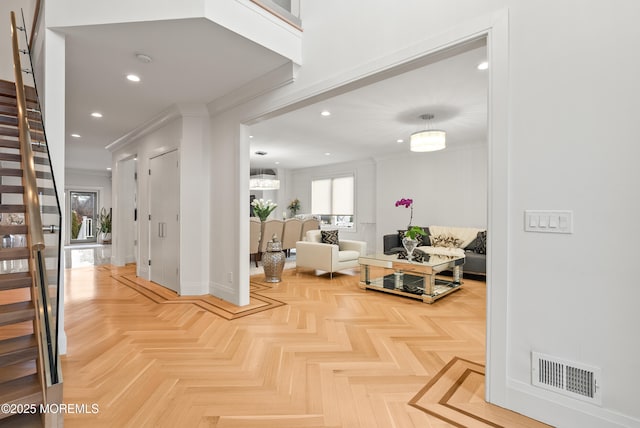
x: 313, y: 254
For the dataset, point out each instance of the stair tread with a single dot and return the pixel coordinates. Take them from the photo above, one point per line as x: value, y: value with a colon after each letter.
x: 20, y: 189
x: 15, y: 253
x: 5, y: 208
x: 18, y: 349
x: 10, y: 281
x: 13, y: 313
x: 18, y: 370
x: 10, y: 157
x: 25, y: 390
x: 13, y: 229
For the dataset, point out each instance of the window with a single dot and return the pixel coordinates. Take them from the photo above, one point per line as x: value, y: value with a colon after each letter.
x: 332, y: 199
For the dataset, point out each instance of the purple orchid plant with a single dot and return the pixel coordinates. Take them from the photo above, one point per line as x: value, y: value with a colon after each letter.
x: 407, y: 203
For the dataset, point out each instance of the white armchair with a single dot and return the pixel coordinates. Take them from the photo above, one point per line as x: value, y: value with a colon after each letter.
x: 313, y: 254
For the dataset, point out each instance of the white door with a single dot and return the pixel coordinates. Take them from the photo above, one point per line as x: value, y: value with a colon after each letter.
x: 164, y: 224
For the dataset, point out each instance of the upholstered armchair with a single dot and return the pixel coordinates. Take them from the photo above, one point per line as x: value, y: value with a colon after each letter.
x: 254, y: 238
x: 269, y: 228
x: 291, y: 234
x: 307, y: 225
x: 313, y: 254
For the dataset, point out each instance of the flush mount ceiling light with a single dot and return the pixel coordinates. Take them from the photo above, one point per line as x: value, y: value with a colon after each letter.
x: 428, y: 140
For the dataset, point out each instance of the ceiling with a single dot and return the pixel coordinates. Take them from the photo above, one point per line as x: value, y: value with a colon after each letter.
x: 197, y: 61
x: 367, y: 122
x: 193, y: 61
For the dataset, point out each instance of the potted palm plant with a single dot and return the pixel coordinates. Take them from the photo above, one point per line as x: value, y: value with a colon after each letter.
x: 104, y: 226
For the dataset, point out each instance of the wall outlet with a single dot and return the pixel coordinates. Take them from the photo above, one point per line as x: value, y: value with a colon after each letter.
x: 229, y: 277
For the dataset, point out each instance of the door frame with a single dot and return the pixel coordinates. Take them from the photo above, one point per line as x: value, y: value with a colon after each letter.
x: 494, y: 28
x: 67, y: 220
x: 149, y: 222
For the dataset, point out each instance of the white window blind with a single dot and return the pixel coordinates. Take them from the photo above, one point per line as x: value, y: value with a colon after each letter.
x: 342, y: 196
x: 321, y: 196
x: 332, y: 196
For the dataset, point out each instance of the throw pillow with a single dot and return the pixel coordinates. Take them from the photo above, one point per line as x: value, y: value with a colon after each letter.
x: 419, y: 238
x: 418, y: 255
x: 446, y: 241
x: 481, y: 243
x: 329, y: 237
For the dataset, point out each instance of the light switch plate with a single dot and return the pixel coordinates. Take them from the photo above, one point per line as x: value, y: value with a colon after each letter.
x: 548, y: 221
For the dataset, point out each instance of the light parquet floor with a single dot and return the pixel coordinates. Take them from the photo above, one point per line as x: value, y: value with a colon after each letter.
x: 331, y: 355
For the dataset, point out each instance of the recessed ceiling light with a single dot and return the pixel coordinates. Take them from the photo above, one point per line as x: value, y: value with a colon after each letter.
x: 400, y: 141
x: 325, y: 113
x: 75, y: 135
x: 108, y: 169
x: 327, y: 154
x: 144, y: 58
x: 96, y: 114
x: 277, y: 163
x: 133, y: 78
x: 483, y: 65
x: 250, y: 136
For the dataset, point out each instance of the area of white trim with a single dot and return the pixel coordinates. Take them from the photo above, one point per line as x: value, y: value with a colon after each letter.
x: 145, y: 128
x: 493, y: 27
x: 566, y: 411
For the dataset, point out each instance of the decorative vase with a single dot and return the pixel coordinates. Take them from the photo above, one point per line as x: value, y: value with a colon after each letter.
x: 409, y: 245
x: 104, y: 238
x: 273, y: 260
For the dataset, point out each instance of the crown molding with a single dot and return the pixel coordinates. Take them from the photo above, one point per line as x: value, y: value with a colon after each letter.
x: 145, y: 128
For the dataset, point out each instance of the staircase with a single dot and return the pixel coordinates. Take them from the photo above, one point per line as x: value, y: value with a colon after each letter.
x: 29, y: 262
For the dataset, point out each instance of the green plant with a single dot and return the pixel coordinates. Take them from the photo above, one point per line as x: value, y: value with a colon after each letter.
x: 104, y: 221
x: 414, y: 231
x: 263, y: 208
x: 75, y: 224
x: 294, y: 206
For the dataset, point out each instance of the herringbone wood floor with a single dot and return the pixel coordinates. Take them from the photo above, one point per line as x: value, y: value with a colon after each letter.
x: 331, y: 355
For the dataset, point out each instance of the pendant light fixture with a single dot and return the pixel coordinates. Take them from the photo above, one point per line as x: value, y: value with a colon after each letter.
x: 428, y: 140
x: 261, y: 179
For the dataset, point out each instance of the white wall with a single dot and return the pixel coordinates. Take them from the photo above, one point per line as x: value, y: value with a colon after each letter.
x: 76, y: 179
x: 186, y: 131
x: 572, y: 144
x: 6, y: 52
x: 364, y: 173
x: 448, y: 188
x: 156, y: 143
x: 124, y: 244
x: 572, y: 97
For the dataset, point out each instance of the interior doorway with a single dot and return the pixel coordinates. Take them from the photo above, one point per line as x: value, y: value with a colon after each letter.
x: 164, y: 209
x: 493, y: 29
x: 84, y: 210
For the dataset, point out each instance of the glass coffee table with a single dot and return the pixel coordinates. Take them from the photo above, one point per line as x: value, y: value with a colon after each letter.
x: 412, y: 279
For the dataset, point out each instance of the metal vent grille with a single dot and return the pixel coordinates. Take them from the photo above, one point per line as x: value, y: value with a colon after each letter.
x: 566, y: 377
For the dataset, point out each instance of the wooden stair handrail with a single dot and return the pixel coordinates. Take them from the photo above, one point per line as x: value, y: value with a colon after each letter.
x: 31, y: 199
x: 49, y: 368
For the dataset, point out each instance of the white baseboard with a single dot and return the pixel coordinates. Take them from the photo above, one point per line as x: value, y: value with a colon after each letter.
x: 224, y: 292
x: 560, y: 411
x: 192, y: 288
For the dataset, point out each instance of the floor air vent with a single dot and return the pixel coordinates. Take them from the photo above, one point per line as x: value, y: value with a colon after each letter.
x: 566, y: 377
